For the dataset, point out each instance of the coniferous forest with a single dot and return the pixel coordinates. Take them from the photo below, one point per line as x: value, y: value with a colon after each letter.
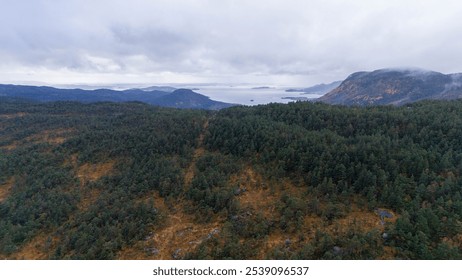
x: 296, y: 181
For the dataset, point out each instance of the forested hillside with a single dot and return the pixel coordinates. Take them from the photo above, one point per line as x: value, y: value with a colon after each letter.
x: 296, y: 181
x: 158, y: 96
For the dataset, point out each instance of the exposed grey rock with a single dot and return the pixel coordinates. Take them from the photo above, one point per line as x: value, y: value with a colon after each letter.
x: 337, y: 250
x: 176, y: 254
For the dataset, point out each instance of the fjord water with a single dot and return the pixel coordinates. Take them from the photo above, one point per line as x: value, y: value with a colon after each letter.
x: 250, y: 95
x: 236, y: 94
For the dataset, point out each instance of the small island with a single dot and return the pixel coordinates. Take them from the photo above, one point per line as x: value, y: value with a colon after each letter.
x: 301, y: 98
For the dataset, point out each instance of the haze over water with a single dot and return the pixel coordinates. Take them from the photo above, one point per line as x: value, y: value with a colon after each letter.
x: 249, y: 95
x: 244, y: 94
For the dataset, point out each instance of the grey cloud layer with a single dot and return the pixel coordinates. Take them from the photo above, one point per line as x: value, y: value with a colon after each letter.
x: 226, y: 38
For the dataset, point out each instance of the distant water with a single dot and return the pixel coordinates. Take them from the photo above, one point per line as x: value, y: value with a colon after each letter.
x: 247, y: 95
x: 236, y: 94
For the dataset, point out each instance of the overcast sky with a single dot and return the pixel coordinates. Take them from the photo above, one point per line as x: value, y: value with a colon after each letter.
x: 280, y: 42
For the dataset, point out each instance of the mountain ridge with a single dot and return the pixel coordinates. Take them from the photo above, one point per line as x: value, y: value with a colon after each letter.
x: 178, y: 98
x: 394, y: 87
x: 316, y: 89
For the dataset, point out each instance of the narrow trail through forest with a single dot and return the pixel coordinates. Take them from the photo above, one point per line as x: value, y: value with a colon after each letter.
x: 180, y: 234
x: 198, y: 152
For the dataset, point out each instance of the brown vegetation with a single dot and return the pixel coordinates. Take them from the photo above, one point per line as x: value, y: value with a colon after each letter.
x: 198, y: 152
x: 36, y: 249
x: 94, y: 171
x: 5, y: 189
x: 55, y: 136
x: 12, y: 116
x: 89, y: 172
x: 178, y: 235
x: 52, y: 137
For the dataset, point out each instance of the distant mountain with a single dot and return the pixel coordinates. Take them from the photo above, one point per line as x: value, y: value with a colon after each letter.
x: 186, y: 98
x: 160, y: 88
x: 395, y: 86
x: 317, y: 89
x: 180, y: 98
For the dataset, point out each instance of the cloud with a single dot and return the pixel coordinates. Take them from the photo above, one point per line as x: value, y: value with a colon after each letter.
x: 291, y: 41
